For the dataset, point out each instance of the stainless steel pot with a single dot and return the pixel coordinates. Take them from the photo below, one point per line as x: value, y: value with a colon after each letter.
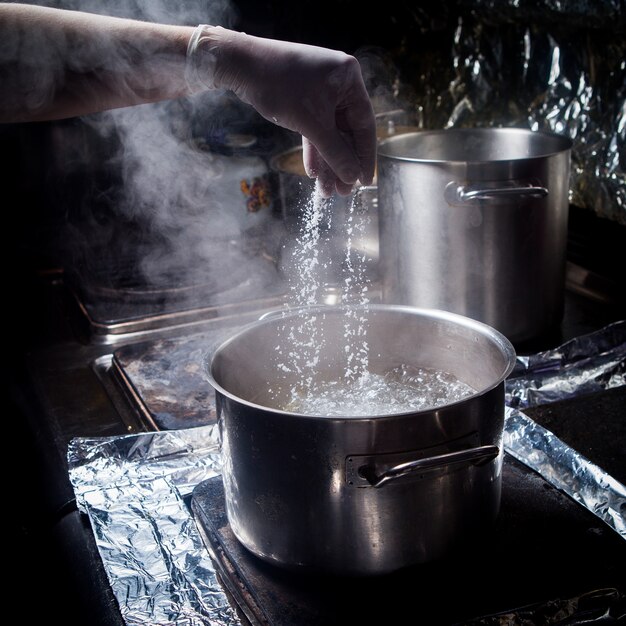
x: 474, y: 221
x: 361, y: 495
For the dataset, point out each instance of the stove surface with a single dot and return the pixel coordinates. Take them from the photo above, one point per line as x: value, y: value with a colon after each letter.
x: 121, y: 296
x: 546, y: 559
x: 165, y: 381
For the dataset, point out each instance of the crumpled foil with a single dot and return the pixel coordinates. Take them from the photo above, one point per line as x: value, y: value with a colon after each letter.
x: 543, y: 65
x: 586, y: 364
x: 583, y: 365
x: 564, y: 468
x: 133, y: 488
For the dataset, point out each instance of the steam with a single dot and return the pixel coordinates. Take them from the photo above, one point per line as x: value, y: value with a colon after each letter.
x: 189, y: 12
x: 158, y: 203
x: 161, y: 202
x: 391, y: 96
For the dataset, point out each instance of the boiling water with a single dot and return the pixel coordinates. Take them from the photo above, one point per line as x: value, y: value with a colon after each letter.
x: 403, y: 389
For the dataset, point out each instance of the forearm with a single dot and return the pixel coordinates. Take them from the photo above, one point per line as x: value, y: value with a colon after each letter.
x: 56, y: 63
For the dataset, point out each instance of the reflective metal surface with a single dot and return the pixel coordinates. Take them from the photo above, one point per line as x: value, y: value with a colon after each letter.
x: 497, y: 256
x: 285, y: 470
x: 562, y: 466
x: 133, y: 489
x: 583, y: 365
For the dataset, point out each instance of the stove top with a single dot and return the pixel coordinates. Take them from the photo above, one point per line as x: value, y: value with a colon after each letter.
x: 164, y: 381
x: 122, y: 295
x: 546, y: 561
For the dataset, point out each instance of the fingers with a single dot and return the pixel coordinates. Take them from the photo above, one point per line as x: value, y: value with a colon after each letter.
x: 347, y: 141
x: 311, y: 158
x: 356, y: 120
x: 364, y: 145
x: 343, y: 189
x: 316, y: 167
x: 326, y: 184
x: 336, y: 154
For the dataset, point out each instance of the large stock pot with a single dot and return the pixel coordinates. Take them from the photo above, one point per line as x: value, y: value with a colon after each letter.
x: 474, y: 221
x: 361, y: 495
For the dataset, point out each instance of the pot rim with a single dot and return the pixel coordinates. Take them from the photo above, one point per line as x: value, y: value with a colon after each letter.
x: 506, y: 347
x: 562, y: 144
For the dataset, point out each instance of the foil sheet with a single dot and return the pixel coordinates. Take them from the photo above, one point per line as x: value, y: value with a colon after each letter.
x: 564, y: 468
x: 543, y: 65
x: 583, y: 365
x: 134, y: 488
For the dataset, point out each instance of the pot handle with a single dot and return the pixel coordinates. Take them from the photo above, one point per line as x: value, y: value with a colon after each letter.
x: 457, y: 194
x: 475, y: 456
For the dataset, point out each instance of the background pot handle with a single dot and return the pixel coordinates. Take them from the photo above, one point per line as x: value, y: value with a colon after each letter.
x: 475, y: 456
x: 457, y: 194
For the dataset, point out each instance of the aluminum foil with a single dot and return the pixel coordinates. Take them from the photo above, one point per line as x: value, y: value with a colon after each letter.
x: 586, y: 364
x: 564, y: 468
x: 133, y: 489
x: 544, y: 65
x: 583, y: 365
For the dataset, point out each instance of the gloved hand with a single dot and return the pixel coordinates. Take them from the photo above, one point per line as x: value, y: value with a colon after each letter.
x: 314, y: 91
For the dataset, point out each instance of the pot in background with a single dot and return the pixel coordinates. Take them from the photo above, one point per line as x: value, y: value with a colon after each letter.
x: 239, y: 179
x: 474, y: 221
x: 295, y: 188
x: 361, y: 495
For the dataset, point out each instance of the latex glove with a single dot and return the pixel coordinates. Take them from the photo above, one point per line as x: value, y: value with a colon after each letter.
x: 314, y: 91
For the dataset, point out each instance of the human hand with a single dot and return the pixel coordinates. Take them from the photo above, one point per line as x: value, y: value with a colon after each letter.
x: 314, y: 91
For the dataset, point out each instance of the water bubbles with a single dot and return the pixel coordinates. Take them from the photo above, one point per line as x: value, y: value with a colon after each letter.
x: 402, y: 389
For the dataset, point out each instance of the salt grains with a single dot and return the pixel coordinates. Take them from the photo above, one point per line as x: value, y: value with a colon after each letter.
x: 355, y: 391
x: 301, y: 344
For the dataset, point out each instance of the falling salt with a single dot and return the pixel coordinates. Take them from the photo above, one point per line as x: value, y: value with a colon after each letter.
x: 300, y: 344
x: 356, y: 391
x: 356, y: 288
